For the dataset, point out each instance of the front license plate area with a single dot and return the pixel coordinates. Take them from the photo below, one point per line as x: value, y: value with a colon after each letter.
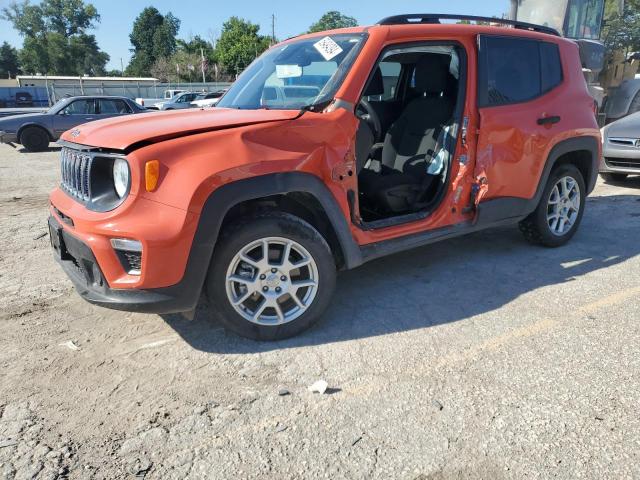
x: 57, y: 242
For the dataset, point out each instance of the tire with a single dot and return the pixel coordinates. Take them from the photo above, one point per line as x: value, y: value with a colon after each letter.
x: 253, y: 316
x: 613, y: 177
x: 34, y: 139
x: 547, y: 225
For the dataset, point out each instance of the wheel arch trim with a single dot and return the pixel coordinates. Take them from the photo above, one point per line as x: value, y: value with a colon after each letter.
x: 224, y: 198
x: 34, y: 124
x: 516, y: 208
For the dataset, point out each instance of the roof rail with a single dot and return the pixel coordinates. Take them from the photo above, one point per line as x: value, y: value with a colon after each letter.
x: 434, y: 18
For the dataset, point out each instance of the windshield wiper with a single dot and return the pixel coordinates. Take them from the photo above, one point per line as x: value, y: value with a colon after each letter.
x: 316, y: 107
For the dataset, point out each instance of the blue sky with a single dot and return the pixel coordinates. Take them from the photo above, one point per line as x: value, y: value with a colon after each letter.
x: 202, y: 17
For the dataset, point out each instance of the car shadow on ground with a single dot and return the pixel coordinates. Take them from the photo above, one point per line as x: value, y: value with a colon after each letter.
x: 55, y: 148
x: 445, y: 282
x: 629, y: 182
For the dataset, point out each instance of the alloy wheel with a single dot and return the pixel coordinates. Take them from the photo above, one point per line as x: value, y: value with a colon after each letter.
x: 272, y: 281
x: 563, y: 206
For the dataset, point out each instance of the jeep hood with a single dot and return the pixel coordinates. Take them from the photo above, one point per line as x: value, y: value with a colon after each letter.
x: 125, y: 133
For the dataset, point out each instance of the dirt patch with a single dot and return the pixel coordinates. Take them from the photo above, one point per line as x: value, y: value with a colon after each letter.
x: 477, y: 358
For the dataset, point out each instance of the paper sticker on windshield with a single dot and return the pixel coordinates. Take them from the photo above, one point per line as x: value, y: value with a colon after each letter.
x: 288, y: 71
x: 328, y: 48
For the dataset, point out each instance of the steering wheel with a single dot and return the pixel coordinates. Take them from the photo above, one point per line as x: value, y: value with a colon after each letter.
x: 365, y: 111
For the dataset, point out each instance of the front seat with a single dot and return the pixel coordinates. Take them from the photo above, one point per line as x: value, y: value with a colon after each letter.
x: 410, y: 142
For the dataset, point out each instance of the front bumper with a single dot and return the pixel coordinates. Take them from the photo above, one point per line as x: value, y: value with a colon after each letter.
x: 8, y: 138
x: 620, y: 159
x: 80, y: 265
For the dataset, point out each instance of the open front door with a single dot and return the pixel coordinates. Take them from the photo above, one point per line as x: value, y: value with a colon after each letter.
x: 412, y: 104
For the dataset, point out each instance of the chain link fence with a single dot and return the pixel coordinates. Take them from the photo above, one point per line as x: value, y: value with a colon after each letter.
x: 58, y: 90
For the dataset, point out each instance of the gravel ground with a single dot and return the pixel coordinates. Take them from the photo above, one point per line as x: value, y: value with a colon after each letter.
x: 481, y: 357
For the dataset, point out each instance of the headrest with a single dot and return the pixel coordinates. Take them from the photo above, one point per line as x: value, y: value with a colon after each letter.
x: 432, y: 73
x: 376, y: 85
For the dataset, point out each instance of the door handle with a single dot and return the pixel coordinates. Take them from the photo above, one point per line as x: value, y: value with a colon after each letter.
x: 549, y: 120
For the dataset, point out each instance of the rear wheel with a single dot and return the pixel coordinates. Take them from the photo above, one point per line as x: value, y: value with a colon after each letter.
x: 34, y: 139
x: 272, y: 276
x: 558, y: 215
x: 613, y: 177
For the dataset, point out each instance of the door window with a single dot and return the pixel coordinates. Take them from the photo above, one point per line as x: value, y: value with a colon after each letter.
x: 80, y: 107
x: 514, y: 70
x: 113, y: 107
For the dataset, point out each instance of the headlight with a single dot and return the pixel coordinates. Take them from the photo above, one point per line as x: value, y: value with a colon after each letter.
x: 120, y: 176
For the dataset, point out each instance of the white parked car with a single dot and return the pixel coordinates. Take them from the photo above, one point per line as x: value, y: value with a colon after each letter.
x: 180, y: 101
x: 208, y: 99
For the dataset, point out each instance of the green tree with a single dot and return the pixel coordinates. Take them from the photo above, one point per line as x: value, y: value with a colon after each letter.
x: 621, y: 30
x: 239, y: 44
x: 8, y: 61
x: 332, y: 20
x: 56, y: 41
x: 153, y: 37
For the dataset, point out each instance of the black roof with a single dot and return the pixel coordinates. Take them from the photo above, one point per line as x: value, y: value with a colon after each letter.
x: 98, y: 96
x: 434, y: 18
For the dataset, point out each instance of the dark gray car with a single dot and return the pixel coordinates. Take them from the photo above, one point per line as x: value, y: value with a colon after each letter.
x: 35, y: 130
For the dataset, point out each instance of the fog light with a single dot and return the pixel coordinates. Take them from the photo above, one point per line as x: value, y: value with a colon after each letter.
x: 129, y: 253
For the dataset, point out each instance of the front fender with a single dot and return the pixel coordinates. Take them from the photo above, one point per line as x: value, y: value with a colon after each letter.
x: 227, y: 196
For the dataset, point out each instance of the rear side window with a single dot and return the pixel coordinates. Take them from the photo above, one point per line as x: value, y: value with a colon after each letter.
x: 551, y: 68
x: 514, y: 70
x: 113, y: 106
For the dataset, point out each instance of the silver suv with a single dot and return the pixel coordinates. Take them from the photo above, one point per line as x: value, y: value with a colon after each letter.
x: 621, y: 149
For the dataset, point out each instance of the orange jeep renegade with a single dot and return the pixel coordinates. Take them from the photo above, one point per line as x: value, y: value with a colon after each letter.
x: 330, y: 150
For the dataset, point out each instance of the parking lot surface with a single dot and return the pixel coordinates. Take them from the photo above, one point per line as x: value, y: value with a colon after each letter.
x: 480, y: 357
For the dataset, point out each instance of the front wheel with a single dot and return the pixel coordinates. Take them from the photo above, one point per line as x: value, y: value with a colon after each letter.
x: 558, y: 215
x: 272, y: 276
x: 34, y: 139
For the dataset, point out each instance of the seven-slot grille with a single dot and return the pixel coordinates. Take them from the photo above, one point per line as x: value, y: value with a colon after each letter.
x: 76, y: 170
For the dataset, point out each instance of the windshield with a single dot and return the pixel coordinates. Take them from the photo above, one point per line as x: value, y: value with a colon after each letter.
x: 59, y: 105
x: 584, y: 19
x: 299, y: 74
x: 574, y: 18
x: 549, y: 13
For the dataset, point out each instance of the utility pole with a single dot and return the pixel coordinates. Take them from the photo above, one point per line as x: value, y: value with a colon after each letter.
x: 273, y: 29
x: 124, y: 91
x: 202, y: 65
x: 514, y: 10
